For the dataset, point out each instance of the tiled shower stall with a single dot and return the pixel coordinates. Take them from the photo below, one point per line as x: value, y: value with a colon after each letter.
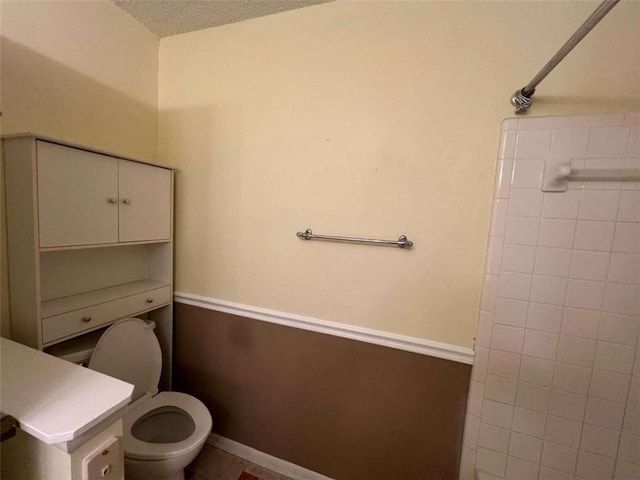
x: 555, y: 390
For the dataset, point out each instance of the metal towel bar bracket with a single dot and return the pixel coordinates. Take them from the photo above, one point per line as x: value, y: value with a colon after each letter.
x: 402, y: 242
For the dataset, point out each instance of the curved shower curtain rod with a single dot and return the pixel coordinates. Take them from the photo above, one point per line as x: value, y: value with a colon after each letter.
x: 521, y: 99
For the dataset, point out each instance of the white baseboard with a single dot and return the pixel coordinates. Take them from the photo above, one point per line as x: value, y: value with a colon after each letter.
x: 265, y: 460
x: 401, y: 342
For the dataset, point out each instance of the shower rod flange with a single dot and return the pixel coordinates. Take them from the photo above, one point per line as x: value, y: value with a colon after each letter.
x: 522, y: 98
x: 522, y: 101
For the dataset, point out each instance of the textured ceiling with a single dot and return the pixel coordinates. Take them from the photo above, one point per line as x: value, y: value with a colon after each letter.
x: 170, y: 17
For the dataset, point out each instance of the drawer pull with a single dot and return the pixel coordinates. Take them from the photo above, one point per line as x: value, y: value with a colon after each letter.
x: 149, y: 300
x: 112, y: 200
x: 126, y: 201
x: 86, y: 319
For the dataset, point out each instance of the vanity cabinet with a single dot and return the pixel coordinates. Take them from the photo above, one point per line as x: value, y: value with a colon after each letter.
x: 90, y: 240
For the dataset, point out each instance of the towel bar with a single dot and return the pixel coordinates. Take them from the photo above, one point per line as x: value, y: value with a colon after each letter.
x: 402, y: 242
x: 558, y: 173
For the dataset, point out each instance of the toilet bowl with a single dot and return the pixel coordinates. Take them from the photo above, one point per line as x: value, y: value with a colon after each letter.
x: 163, y: 432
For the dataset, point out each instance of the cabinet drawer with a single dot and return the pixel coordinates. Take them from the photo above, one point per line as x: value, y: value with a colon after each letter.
x: 72, y: 323
x: 60, y: 326
x: 144, y: 301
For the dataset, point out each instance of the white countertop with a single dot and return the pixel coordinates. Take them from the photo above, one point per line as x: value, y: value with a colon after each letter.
x: 55, y: 400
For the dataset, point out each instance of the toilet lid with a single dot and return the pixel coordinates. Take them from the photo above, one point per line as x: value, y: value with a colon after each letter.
x: 129, y: 350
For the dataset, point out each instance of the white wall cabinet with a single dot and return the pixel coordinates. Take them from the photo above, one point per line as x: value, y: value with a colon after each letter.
x: 86, y: 198
x: 90, y: 240
x: 145, y: 202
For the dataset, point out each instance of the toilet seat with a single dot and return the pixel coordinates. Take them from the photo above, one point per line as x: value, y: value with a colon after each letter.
x: 129, y: 350
x: 141, y: 450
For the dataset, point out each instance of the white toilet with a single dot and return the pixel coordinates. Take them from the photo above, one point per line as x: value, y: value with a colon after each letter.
x: 163, y: 432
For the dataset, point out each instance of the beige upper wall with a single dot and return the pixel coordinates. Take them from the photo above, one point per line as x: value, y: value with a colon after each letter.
x: 365, y: 119
x: 355, y: 118
x: 81, y: 71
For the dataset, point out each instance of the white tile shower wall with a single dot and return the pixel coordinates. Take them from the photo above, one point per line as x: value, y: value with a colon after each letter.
x: 556, y: 382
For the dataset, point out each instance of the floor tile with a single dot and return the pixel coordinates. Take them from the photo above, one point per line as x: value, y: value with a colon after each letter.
x: 190, y: 475
x: 247, y: 476
x: 215, y: 464
x: 262, y: 473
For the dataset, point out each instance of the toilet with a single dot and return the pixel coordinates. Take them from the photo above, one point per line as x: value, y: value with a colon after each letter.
x: 163, y: 432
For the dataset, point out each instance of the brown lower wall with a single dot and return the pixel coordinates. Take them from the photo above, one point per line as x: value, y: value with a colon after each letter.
x: 343, y: 408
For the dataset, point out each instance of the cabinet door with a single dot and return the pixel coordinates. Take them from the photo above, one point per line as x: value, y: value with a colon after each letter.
x: 77, y: 196
x: 145, y: 202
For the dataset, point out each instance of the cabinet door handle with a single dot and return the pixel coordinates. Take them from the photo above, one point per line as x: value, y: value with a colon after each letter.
x: 126, y: 201
x: 112, y: 200
x: 149, y: 300
x: 8, y: 427
x: 86, y: 319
